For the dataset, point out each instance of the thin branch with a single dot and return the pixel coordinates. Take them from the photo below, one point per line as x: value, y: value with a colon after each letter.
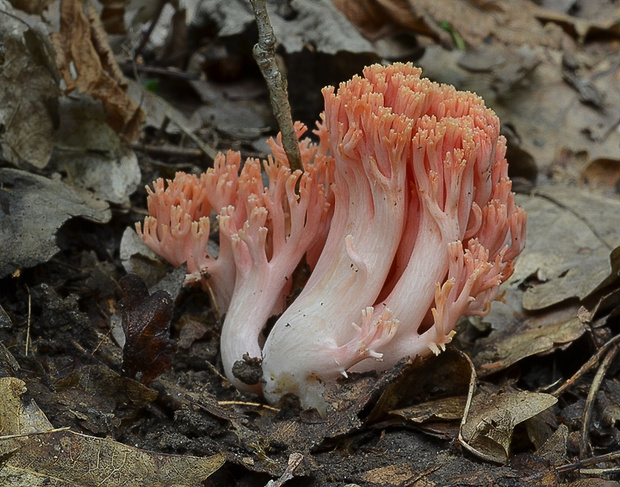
x: 594, y: 388
x: 585, y: 368
x: 607, y: 457
x: 265, y: 55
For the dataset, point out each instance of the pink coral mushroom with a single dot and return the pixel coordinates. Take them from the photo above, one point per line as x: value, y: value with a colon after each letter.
x: 404, y: 211
x: 264, y: 234
x: 423, y: 232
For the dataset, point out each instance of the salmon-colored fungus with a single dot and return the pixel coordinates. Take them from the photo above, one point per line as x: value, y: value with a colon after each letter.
x: 264, y: 232
x: 405, y: 213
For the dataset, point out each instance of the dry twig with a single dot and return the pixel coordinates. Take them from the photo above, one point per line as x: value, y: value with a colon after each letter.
x: 585, y: 368
x: 265, y: 55
x: 594, y: 388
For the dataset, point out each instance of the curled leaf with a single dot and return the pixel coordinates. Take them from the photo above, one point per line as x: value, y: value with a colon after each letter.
x: 148, y: 349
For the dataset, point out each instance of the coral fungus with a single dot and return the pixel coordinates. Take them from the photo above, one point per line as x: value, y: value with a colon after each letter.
x: 404, y: 211
x: 264, y: 234
x: 406, y: 257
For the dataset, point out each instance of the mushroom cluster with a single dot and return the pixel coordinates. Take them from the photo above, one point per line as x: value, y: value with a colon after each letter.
x: 404, y: 212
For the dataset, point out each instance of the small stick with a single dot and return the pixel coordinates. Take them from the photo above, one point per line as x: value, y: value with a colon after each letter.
x: 585, y: 368
x: 265, y: 55
x: 607, y: 457
x: 594, y: 388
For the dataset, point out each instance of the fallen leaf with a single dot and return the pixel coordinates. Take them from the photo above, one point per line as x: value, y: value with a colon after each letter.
x: 446, y: 409
x: 390, y: 475
x: 229, y: 115
x: 191, y: 330
x: 319, y: 47
x: 17, y: 418
x: 159, y: 112
x: 515, y: 337
x: 589, y: 206
x: 29, y: 227
x: 113, y: 16
x: 83, y: 43
x: 444, y: 377
x: 8, y: 364
x: 35, y: 455
x: 138, y: 258
x: 568, y: 247
x: 91, y: 154
x: 601, y: 174
x: 571, y: 254
x: 554, y: 449
x: 315, y: 23
x: 439, y: 418
x: 604, y: 19
x: 28, y: 95
x: 487, y: 429
x: 148, y: 349
x: 511, y: 23
x: 67, y: 459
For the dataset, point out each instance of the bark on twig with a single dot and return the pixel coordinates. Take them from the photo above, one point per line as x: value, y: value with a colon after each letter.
x: 265, y: 55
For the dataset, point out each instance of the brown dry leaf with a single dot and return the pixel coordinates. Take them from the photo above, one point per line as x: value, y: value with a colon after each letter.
x: 510, y: 22
x: 429, y: 393
x: 8, y: 364
x: 514, y: 339
x: 544, y: 116
x: 557, y: 123
x: 159, y: 113
x: 91, y: 153
x: 592, y: 483
x: 445, y: 376
x: 148, y: 349
x: 602, y: 174
x: 82, y: 42
x: 487, y: 429
x: 607, y: 20
x: 319, y: 47
x: 571, y: 253
x: 554, y: 448
x: 447, y: 409
x: 35, y: 455
x: 571, y: 235
x: 28, y: 236
x: 439, y: 418
x: 15, y: 417
x: 138, y: 258
x: 64, y: 458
